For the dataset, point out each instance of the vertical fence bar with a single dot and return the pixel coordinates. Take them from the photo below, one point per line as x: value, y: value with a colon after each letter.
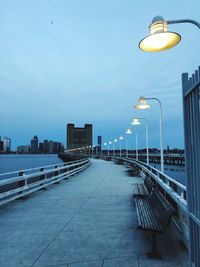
x: 191, y: 107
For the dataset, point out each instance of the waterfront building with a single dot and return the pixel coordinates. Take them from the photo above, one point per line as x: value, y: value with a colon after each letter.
x: 6, y: 144
x: 41, y: 147
x: 79, y: 137
x: 46, y: 146
x: 1, y: 145
x: 23, y: 149
x: 99, y: 140
x: 34, y: 145
x: 51, y: 147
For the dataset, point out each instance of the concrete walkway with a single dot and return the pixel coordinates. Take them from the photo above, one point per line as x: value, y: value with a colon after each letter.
x: 87, y: 220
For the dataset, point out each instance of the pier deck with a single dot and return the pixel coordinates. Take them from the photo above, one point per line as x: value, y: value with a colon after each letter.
x: 87, y: 220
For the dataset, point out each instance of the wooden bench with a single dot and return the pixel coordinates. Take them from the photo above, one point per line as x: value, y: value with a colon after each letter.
x: 143, y: 189
x: 154, y: 213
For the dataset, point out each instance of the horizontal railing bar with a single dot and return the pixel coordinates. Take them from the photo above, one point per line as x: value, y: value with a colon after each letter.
x: 30, y: 188
x: 173, y: 194
x: 159, y: 172
x: 35, y: 174
x: 36, y: 168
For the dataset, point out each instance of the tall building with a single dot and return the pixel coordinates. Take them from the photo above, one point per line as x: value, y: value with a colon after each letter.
x: 34, y: 145
x: 79, y: 137
x: 46, y: 146
x: 6, y: 144
x: 1, y: 145
x: 23, y: 149
x: 99, y: 139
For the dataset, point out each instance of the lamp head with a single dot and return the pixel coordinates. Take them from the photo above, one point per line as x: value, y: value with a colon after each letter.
x: 142, y: 104
x: 115, y: 140
x: 121, y: 137
x: 128, y: 131
x: 110, y: 143
x: 159, y: 38
x: 135, y: 121
x: 105, y: 144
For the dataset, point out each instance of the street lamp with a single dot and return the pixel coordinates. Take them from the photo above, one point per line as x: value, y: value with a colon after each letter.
x: 115, y: 141
x: 109, y: 143
x: 105, y: 144
x: 136, y: 121
x: 159, y: 38
x: 141, y: 100
x: 120, y: 151
x: 128, y: 132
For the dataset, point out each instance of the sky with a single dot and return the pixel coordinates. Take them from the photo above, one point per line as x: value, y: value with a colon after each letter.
x: 74, y: 61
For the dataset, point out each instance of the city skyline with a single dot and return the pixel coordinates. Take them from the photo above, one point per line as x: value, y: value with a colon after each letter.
x: 81, y: 63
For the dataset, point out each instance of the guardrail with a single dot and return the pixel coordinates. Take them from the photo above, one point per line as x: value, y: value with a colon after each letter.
x: 172, y: 190
x: 18, y: 184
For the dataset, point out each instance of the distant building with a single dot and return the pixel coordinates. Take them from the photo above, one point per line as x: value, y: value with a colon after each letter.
x: 6, y: 144
x: 79, y: 137
x: 1, y: 145
x: 46, y: 146
x: 23, y: 149
x: 99, y: 139
x: 41, y: 147
x: 34, y: 145
x: 51, y: 147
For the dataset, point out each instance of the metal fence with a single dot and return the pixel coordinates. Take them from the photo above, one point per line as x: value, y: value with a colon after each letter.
x: 191, y: 107
x: 18, y: 184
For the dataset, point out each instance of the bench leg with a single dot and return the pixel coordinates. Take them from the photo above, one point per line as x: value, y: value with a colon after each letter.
x: 154, y: 253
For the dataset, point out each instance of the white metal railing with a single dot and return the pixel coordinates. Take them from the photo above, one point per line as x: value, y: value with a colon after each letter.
x: 172, y: 190
x: 18, y: 184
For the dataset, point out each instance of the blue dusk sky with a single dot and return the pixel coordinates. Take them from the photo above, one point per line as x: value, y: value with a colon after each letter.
x: 70, y: 61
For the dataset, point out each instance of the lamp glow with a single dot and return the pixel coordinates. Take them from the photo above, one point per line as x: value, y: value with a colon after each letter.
x: 160, y: 38
x: 128, y: 131
x: 121, y: 137
x: 135, y: 121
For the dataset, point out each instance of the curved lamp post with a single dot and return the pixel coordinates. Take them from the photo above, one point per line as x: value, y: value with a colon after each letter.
x: 105, y: 144
x: 120, y: 151
x: 109, y: 143
x: 159, y: 38
x: 143, y: 105
x: 136, y: 121
x: 115, y: 141
x: 128, y: 131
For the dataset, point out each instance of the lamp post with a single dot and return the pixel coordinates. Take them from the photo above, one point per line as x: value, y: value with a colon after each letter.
x: 128, y: 132
x: 105, y: 144
x: 159, y: 38
x: 109, y: 143
x: 136, y: 121
x: 120, y: 151
x: 115, y: 141
x: 144, y: 105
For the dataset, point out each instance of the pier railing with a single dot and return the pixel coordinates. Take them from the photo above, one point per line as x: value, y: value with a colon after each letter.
x: 172, y: 190
x: 18, y: 184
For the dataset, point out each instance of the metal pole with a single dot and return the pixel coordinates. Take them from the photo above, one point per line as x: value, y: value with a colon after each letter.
x: 108, y: 150
x: 126, y: 148
x: 161, y: 132
x: 114, y: 148
x: 184, y: 21
x: 136, y: 145
x: 120, y: 149
x: 147, y: 142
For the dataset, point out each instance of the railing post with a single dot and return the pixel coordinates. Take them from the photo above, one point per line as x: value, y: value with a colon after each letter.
x: 56, y: 173
x: 43, y: 177
x: 22, y: 183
